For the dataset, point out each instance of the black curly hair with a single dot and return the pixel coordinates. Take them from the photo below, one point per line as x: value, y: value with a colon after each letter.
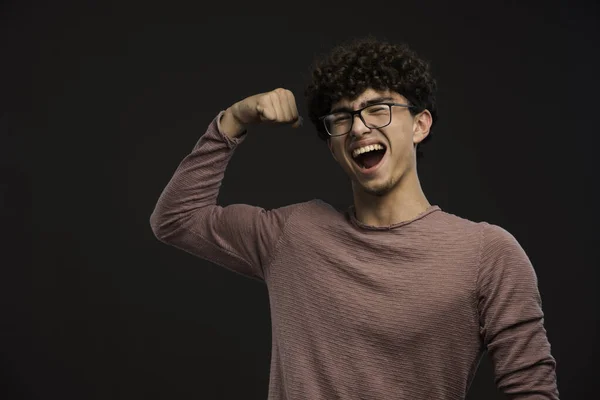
x: 353, y: 67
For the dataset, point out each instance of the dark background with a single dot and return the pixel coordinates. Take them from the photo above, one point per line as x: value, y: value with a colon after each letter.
x: 102, y: 100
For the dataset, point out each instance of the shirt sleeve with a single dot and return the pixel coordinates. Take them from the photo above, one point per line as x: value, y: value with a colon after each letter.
x: 239, y: 237
x: 511, y: 319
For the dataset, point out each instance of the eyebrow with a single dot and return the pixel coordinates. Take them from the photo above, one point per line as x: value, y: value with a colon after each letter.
x: 363, y: 104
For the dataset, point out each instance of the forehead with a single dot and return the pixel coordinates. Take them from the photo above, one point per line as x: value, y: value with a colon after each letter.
x: 368, y: 94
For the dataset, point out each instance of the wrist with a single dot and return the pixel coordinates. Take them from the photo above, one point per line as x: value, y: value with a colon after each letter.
x: 230, y: 125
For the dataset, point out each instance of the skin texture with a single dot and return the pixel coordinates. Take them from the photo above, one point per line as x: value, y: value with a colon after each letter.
x: 393, y: 193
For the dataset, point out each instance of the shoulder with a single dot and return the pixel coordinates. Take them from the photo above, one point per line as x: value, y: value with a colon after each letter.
x: 490, y: 233
x: 488, y: 239
x: 314, y: 213
x: 316, y: 209
x: 502, y: 256
x: 496, y: 238
x: 453, y: 222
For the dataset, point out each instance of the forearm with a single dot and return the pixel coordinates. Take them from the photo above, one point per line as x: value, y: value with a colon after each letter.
x: 524, y: 366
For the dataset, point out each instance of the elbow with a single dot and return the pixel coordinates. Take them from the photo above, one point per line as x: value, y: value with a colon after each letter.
x: 161, y: 226
x: 167, y: 227
x: 156, y: 224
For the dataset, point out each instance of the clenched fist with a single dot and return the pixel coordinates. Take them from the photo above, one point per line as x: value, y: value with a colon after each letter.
x: 277, y: 106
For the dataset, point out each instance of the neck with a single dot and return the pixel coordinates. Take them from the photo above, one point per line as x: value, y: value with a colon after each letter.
x: 402, y: 203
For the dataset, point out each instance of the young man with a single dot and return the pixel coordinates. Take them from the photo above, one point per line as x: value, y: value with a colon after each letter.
x: 393, y: 298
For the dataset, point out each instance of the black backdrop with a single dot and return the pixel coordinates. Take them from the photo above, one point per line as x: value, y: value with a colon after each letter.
x: 101, y: 100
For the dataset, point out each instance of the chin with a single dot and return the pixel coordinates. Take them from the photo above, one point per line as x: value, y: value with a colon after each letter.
x: 377, y: 190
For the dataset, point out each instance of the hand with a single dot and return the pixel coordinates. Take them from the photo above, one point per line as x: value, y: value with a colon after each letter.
x: 277, y: 106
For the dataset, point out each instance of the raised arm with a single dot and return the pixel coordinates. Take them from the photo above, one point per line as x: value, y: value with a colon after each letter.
x: 512, y: 321
x: 239, y: 237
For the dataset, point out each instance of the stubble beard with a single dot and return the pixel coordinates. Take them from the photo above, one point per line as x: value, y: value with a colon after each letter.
x: 379, y: 190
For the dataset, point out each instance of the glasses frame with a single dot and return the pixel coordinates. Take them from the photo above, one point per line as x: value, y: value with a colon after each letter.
x: 359, y: 113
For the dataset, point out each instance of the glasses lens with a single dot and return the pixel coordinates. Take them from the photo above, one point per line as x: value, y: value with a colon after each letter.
x: 377, y: 115
x: 338, y: 123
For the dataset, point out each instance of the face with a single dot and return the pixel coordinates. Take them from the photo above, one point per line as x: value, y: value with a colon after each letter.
x: 398, y: 140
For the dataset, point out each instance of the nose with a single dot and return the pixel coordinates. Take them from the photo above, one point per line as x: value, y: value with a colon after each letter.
x: 358, y: 127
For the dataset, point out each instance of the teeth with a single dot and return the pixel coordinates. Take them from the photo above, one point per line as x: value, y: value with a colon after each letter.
x: 371, y: 147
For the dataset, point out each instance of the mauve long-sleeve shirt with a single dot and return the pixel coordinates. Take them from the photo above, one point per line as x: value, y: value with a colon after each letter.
x: 363, y: 312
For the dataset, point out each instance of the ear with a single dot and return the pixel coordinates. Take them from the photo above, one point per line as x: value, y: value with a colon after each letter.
x: 331, y: 149
x: 421, y: 126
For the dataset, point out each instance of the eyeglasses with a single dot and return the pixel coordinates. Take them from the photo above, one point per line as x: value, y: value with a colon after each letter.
x: 373, y: 116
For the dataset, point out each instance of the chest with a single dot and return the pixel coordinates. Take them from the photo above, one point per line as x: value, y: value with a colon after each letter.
x: 394, y: 291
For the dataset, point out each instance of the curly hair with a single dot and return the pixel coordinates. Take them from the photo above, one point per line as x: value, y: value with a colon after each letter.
x: 353, y: 67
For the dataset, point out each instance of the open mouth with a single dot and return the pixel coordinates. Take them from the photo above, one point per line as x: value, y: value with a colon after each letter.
x: 369, y: 157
